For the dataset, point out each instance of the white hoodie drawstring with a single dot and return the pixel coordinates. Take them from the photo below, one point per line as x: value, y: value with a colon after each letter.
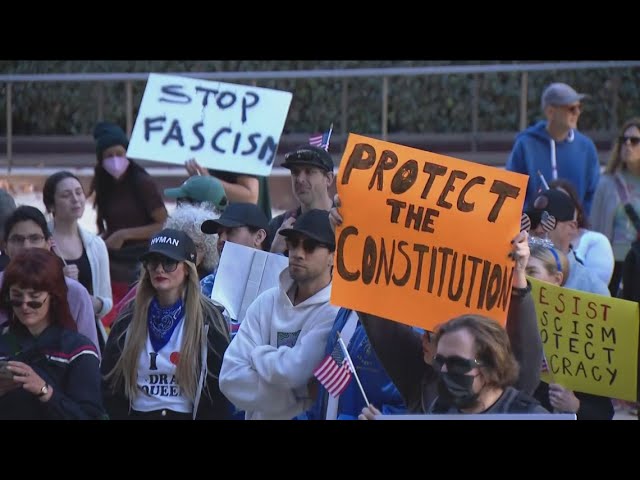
x: 554, y: 166
x: 552, y: 145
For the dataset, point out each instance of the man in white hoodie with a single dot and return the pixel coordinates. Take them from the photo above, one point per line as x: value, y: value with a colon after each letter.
x: 267, y: 368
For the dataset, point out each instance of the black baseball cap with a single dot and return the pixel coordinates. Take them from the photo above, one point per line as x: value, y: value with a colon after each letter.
x: 554, y: 202
x: 309, y: 155
x: 174, y: 244
x: 237, y: 215
x: 313, y: 224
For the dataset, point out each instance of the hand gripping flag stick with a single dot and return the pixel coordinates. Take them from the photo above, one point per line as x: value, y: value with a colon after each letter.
x: 353, y: 369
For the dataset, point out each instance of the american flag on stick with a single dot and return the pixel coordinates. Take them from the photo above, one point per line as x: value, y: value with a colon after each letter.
x: 321, y: 139
x: 334, y: 372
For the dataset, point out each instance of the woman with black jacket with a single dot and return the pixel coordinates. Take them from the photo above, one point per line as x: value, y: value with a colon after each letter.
x: 48, y: 371
x: 164, y: 353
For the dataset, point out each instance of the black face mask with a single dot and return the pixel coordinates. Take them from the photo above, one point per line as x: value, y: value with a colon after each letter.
x: 457, y: 389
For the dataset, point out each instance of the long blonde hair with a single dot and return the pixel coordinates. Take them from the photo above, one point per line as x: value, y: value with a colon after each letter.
x: 197, y: 309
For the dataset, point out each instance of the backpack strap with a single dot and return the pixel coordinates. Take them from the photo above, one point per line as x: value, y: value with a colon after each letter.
x: 625, y: 198
x: 621, y: 186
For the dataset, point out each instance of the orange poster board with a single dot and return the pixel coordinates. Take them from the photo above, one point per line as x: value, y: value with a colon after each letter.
x: 425, y: 237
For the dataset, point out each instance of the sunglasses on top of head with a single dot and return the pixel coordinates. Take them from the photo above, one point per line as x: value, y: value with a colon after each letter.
x: 455, y: 364
x: 168, y: 264
x: 309, y: 245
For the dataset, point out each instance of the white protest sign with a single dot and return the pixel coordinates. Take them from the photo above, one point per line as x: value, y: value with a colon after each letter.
x: 243, y: 274
x: 223, y: 126
x: 482, y: 416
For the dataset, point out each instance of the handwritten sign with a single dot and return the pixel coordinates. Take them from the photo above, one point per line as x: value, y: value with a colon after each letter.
x: 425, y: 237
x: 590, y: 341
x: 223, y: 126
x: 243, y: 274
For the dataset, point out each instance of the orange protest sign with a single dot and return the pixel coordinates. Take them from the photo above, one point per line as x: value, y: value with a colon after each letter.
x: 425, y: 237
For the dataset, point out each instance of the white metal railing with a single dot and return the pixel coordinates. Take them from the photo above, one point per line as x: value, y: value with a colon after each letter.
x: 344, y: 74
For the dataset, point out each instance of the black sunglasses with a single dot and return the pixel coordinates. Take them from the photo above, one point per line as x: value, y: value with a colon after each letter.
x: 455, y: 364
x: 633, y: 140
x: 168, y: 264
x: 34, y: 304
x: 308, y: 244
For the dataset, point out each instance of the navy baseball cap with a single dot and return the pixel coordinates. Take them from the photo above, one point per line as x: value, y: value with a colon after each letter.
x: 313, y: 224
x: 174, y: 244
x: 237, y: 215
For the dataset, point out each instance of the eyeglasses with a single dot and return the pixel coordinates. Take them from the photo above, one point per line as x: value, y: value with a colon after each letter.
x: 20, y: 239
x: 168, y: 264
x: 633, y: 140
x: 455, y: 364
x: 34, y: 304
x: 308, y: 244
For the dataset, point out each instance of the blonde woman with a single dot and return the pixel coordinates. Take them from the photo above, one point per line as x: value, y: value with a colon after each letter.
x: 188, y: 219
x: 165, y: 350
x: 547, y: 263
x: 550, y: 265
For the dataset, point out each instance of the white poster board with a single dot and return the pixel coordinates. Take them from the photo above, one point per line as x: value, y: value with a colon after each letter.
x: 482, y: 416
x: 243, y: 274
x: 223, y: 126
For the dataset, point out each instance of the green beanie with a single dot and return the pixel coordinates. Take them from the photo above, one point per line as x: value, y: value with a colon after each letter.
x: 107, y: 135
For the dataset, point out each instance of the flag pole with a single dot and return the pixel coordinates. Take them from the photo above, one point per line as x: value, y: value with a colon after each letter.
x: 329, y: 135
x: 542, y: 179
x: 353, y: 369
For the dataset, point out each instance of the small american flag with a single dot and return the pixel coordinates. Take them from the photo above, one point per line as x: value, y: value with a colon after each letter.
x: 548, y: 222
x: 334, y: 373
x: 321, y: 139
x: 545, y: 367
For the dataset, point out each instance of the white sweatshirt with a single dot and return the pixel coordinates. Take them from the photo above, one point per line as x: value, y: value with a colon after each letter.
x: 268, y: 364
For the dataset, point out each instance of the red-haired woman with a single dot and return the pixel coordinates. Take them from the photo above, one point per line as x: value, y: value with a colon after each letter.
x: 47, y: 369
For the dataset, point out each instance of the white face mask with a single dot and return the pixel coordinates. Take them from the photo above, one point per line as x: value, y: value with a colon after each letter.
x: 116, y: 166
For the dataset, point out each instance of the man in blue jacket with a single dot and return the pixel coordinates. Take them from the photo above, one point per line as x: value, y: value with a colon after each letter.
x: 556, y: 149
x: 376, y: 383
